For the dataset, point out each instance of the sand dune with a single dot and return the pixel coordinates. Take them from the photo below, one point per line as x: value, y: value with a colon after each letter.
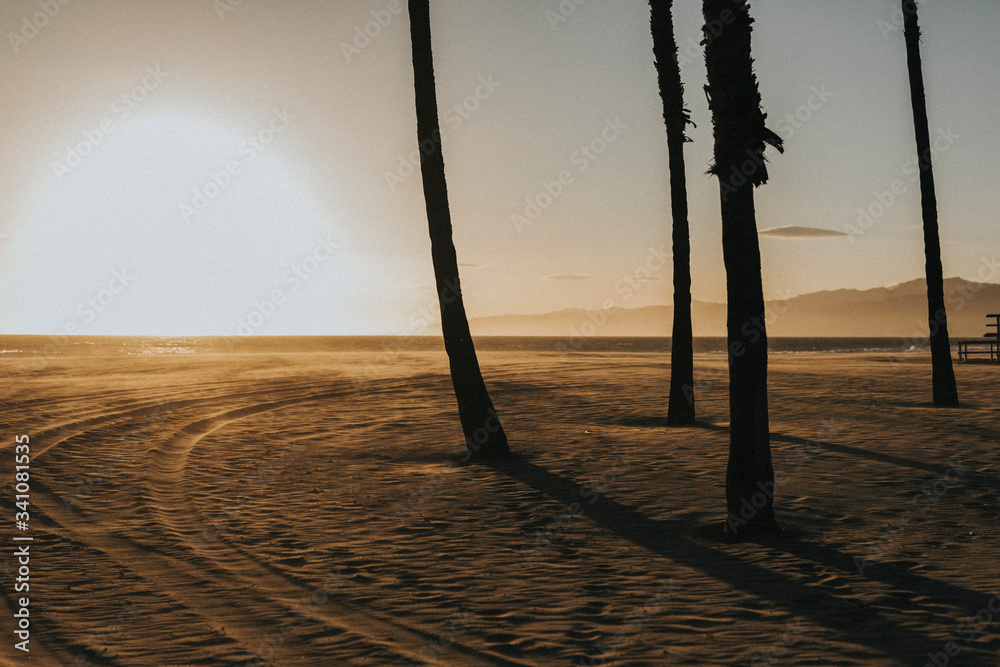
x: 311, y: 509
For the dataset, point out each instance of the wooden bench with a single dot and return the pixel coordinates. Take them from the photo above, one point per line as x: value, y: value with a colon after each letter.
x: 989, y: 344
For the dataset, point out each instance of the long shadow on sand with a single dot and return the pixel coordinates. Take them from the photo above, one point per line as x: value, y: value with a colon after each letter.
x: 859, y: 624
x: 847, y: 450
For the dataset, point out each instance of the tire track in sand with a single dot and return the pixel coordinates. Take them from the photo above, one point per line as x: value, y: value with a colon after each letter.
x: 52, y: 435
x: 170, y: 497
x: 196, y: 588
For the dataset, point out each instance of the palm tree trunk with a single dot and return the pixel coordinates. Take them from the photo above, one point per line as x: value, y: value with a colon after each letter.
x: 945, y: 390
x: 740, y: 135
x: 680, y: 406
x: 484, y: 435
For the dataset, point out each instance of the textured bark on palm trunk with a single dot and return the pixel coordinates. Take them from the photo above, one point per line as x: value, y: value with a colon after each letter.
x: 749, y: 473
x: 944, y: 387
x: 740, y: 135
x: 484, y: 435
x: 680, y: 406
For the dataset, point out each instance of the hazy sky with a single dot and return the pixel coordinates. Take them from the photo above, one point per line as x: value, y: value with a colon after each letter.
x: 200, y: 167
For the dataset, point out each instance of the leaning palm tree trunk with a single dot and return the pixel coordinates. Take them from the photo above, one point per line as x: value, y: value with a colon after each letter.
x: 740, y: 135
x: 943, y: 384
x: 680, y: 406
x: 484, y: 436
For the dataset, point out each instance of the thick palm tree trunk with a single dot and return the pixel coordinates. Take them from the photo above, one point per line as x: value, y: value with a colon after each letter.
x: 740, y: 135
x: 484, y: 435
x: 680, y: 406
x: 945, y: 390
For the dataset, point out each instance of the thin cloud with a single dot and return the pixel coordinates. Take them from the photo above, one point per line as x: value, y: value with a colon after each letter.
x: 797, y: 232
x: 568, y: 276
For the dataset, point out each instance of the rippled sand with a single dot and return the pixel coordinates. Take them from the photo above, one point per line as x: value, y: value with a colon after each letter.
x: 311, y: 509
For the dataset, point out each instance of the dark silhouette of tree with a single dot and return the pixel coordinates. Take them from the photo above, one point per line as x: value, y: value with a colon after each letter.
x: 680, y: 406
x: 740, y: 135
x: 484, y: 435
x: 943, y: 374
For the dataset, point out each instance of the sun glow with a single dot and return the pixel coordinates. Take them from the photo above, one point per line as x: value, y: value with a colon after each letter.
x: 174, y: 226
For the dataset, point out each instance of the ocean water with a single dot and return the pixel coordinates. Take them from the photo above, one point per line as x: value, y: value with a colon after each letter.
x: 21, y: 346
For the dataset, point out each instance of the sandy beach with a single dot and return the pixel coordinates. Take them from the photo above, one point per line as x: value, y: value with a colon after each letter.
x: 314, y: 509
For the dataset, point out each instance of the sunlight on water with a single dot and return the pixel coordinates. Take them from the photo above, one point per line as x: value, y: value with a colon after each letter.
x: 145, y: 346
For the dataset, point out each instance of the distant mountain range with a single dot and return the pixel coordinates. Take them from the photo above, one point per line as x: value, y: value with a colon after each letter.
x: 882, y: 312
